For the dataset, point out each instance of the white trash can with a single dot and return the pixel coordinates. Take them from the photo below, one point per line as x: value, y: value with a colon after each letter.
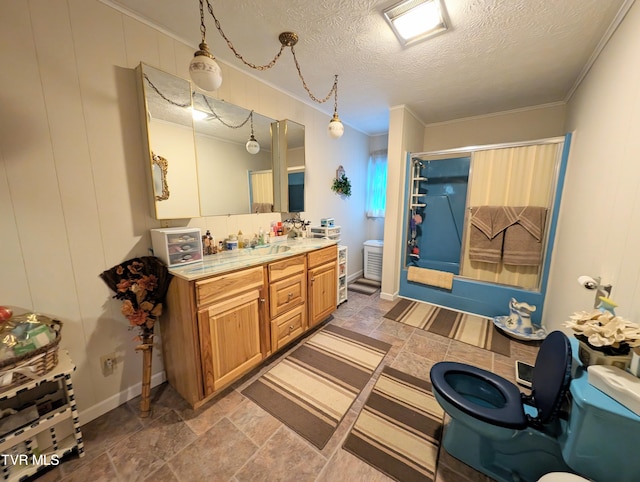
x: 373, y: 259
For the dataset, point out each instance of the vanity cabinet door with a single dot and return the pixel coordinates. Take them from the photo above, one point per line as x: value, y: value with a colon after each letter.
x: 322, y: 290
x: 230, y: 339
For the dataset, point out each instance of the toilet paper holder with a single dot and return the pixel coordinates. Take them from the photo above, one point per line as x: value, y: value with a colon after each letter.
x: 596, y: 284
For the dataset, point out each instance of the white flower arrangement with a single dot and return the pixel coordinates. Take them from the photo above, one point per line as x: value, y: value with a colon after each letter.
x: 604, y: 329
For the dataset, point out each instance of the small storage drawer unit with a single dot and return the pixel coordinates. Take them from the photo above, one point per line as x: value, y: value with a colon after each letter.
x: 177, y: 246
x: 342, y: 274
x: 327, y: 232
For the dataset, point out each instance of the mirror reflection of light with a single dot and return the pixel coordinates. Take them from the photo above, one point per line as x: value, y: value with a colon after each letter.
x: 198, y: 115
x: 418, y: 20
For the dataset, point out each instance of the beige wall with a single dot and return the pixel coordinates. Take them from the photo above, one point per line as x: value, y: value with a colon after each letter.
x: 599, y: 224
x: 406, y: 134
x: 73, y: 187
x: 519, y: 125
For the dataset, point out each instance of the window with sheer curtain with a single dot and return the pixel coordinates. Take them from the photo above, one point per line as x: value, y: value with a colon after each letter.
x: 377, y: 184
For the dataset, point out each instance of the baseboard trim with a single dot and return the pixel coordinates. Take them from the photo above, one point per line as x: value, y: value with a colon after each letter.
x: 118, y: 399
x: 355, y: 276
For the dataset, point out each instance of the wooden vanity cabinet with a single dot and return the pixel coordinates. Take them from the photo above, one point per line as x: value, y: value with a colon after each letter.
x: 218, y: 328
x: 229, y: 326
x: 287, y: 300
x: 322, y: 283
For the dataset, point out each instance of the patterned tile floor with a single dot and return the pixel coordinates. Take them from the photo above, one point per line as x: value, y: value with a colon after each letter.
x: 232, y: 439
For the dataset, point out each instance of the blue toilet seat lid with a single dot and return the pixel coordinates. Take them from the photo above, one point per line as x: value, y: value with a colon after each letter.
x: 510, y: 415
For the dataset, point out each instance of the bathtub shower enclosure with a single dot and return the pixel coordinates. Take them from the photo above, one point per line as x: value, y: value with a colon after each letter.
x: 438, y: 200
x: 444, y: 189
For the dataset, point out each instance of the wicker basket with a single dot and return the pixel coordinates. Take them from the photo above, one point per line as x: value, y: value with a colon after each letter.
x: 35, y: 363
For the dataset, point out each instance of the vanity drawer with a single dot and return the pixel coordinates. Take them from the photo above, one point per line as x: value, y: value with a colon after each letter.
x: 322, y: 256
x: 228, y: 285
x: 287, y: 327
x: 287, y: 293
x: 287, y: 267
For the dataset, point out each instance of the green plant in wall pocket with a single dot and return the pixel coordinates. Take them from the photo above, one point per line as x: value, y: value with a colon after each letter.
x: 341, y: 184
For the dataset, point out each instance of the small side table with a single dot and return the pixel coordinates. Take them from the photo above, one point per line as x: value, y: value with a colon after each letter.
x: 54, y: 434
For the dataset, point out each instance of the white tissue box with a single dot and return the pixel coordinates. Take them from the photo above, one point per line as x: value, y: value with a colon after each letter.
x: 618, y: 384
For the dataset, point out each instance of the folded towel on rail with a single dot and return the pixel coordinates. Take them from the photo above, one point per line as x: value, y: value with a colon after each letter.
x: 432, y: 277
x: 523, y: 240
x: 486, y: 234
x: 261, y: 208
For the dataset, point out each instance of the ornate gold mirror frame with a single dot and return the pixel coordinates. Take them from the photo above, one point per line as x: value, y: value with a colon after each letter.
x: 160, y: 166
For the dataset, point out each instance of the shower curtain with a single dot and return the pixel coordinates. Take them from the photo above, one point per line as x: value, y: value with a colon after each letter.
x: 517, y: 176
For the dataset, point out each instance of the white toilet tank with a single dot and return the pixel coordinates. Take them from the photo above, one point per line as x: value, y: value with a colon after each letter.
x: 561, y: 477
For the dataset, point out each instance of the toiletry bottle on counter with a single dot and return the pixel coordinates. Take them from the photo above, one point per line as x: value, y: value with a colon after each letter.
x: 232, y: 242
x: 240, y: 240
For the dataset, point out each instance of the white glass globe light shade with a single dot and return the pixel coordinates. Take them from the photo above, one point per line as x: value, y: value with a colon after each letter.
x: 204, y: 70
x: 252, y: 146
x: 336, y: 129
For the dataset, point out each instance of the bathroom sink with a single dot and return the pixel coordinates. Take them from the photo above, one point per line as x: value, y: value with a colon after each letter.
x: 269, y: 249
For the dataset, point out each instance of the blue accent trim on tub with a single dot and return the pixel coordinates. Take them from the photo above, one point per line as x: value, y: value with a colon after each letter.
x: 483, y: 298
x: 556, y: 211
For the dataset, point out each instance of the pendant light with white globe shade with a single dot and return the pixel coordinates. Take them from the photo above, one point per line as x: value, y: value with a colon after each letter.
x: 253, y: 147
x: 203, y: 69
x: 336, y: 128
x: 207, y: 75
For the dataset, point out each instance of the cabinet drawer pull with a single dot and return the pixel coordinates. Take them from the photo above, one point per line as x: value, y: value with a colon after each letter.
x: 262, y: 300
x: 290, y: 327
x: 290, y: 295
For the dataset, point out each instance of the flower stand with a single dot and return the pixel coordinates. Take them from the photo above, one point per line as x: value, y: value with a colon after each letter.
x: 147, y: 351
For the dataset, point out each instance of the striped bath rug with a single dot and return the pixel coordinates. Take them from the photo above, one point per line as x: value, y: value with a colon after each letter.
x: 399, y: 428
x: 364, y: 286
x: 471, y: 329
x: 312, y: 389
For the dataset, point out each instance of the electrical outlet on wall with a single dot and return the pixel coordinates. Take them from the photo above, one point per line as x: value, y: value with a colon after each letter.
x: 108, y: 364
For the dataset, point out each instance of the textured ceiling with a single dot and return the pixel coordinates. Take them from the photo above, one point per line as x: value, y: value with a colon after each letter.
x: 497, y: 54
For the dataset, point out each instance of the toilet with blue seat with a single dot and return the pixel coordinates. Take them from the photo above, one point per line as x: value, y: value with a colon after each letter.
x: 511, y: 436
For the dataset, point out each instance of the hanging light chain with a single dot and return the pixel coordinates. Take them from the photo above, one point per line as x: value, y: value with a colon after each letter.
x: 287, y: 39
x: 203, y: 27
x: 233, y: 49
x: 188, y: 104
x: 217, y: 116
x: 304, y: 84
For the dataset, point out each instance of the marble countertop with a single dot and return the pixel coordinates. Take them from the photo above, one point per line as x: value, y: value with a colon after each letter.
x: 246, y: 258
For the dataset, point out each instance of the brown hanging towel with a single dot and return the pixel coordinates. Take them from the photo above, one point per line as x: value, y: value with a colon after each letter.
x: 523, y: 240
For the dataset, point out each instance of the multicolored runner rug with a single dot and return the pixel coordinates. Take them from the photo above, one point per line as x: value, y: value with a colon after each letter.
x: 399, y: 428
x: 471, y: 329
x: 312, y: 389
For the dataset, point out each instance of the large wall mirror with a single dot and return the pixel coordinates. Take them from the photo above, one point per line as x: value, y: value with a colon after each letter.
x: 200, y: 165
x: 167, y: 112
x: 289, y: 175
